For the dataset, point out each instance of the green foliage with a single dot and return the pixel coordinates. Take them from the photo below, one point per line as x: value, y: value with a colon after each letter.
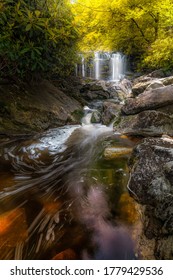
x: 36, y: 37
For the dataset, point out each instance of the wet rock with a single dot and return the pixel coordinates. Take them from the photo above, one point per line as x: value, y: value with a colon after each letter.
x: 94, y: 90
x: 96, y: 117
x: 146, y: 123
x: 91, y: 95
x: 150, y: 99
x: 151, y: 185
x: 111, y: 111
x: 114, y: 152
x: 91, y: 87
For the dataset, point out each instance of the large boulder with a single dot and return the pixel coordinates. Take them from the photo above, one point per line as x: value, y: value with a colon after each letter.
x: 151, y: 185
x: 146, y: 123
x: 150, y: 99
x: 94, y: 90
x: 32, y: 108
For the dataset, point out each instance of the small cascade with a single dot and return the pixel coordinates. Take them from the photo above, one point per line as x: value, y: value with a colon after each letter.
x: 86, y: 120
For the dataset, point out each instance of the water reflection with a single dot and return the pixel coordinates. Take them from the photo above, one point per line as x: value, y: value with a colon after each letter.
x: 58, y: 193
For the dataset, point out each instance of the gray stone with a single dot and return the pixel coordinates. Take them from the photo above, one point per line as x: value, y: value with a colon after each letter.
x: 150, y: 99
x: 167, y: 81
x: 151, y: 185
x: 155, y: 84
x: 111, y: 111
x: 146, y: 123
x: 151, y: 180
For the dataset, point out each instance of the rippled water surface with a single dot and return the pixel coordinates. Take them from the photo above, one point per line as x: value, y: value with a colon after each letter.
x: 63, y: 195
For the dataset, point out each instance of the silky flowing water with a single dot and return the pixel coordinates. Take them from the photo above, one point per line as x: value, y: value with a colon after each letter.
x: 62, y: 191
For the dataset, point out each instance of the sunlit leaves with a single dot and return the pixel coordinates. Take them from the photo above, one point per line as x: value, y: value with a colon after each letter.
x: 139, y: 28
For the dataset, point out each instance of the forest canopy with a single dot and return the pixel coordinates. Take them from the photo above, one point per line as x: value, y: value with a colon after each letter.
x: 142, y: 29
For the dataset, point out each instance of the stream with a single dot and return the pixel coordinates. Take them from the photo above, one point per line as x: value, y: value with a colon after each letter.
x: 65, y: 190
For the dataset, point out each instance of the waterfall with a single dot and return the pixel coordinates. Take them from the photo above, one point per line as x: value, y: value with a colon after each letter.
x: 117, y: 66
x: 97, y: 65
x: 103, y: 66
x: 83, y: 67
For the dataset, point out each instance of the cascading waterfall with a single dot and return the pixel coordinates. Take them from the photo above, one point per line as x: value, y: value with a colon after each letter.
x: 117, y: 66
x: 104, y: 66
x: 97, y: 65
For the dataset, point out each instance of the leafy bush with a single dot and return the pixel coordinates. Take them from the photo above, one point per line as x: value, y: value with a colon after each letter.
x: 36, y: 37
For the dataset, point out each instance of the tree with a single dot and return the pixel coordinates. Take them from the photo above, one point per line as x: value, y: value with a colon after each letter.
x: 138, y: 28
x: 160, y: 52
x: 36, y: 37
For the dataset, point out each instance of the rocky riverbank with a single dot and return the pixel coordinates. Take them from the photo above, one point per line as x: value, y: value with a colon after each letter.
x: 144, y: 108
x: 149, y: 113
x: 30, y: 108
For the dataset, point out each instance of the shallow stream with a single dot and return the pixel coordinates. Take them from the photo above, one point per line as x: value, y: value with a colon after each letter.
x: 63, y: 195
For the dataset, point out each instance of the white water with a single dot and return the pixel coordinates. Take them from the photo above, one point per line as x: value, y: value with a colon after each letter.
x: 104, y: 65
x: 117, y: 66
x: 97, y: 66
x: 59, y: 163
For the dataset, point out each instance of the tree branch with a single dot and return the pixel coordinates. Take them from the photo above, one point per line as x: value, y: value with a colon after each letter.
x: 140, y: 30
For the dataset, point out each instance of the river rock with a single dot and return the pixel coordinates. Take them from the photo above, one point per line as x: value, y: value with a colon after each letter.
x: 96, y: 117
x: 149, y: 81
x: 151, y: 185
x: 155, y: 84
x: 110, y: 111
x: 167, y: 81
x: 146, y: 123
x: 139, y: 88
x: 115, y: 152
x: 150, y: 99
x: 94, y: 90
x: 91, y: 95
